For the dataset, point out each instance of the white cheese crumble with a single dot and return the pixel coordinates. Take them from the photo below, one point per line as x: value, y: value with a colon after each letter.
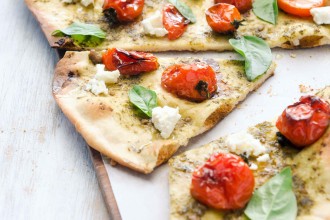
x: 321, y: 15
x: 165, y: 119
x: 244, y: 142
x: 263, y: 158
x: 106, y: 76
x: 153, y: 25
x: 253, y: 166
x: 97, y: 87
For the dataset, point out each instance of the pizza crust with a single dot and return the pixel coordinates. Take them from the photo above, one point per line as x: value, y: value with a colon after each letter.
x: 109, y: 125
x: 310, y: 168
x: 290, y: 32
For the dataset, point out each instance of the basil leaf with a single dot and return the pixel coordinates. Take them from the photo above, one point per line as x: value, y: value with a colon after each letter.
x: 143, y: 98
x: 82, y: 34
x: 274, y: 200
x: 266, y: 10
x: 257, y: 54
x: 184, y: 9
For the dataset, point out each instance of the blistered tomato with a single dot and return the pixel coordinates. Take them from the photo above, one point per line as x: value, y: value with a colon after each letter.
x: 127, y: 10
x: 241, y: 5
x: 223, y: 18
x: 304, y: 122
x: 224, y: 182
x: 194, y: 82
x: 174, y: 22
x: 129, y: 62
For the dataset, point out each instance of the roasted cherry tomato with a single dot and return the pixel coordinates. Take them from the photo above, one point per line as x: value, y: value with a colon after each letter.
x: 300, y: 7
x: 195, y: 82
x: 304, y: 122
x: 127, y: 10
x: 223, y: 18
x: 224, y: 182
x: 241, y: 5
x: 174, y: 22
x: 129, y: 62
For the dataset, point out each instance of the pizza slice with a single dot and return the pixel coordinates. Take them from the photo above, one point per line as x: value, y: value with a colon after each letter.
x: 261, y: 160
x: 140, y: 119
x: 145, y: 28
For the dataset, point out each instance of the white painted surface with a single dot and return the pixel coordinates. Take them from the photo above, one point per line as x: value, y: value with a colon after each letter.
x: 146, y: 197
x: 45, y: 168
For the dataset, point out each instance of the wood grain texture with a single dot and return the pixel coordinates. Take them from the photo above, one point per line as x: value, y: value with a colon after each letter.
x: 45, y: 168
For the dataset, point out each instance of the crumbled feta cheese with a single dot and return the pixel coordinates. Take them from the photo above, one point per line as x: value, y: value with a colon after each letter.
x: 165, y: 119
x: 86, y: 2
x: 253, y: 166
x: 321, y: 15
x: 153, y: 25
x: 244, y: 142
x: 106, y: 76
x: 97, y: 87
x: 263, y: 158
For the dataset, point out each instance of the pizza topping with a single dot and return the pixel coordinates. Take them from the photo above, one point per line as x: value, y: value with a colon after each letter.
x: 129, y: 62
x: 263, y: 158
x: 266, y: 10
x: 300, y: 8
x: 184, y: 10
x: 304, y: 122
x: 97, y: 87
x: 224, y: 182
x: 174, y: 22
x: 244, y: 143
x: 321, y: 15
x: 82, y: 34
x: 164, y: 119
x: 153, y: 25
x: 257, y: 54
x: 85, y: 3
x: 274, y: 200
x: 223, y: 18
x: 194, y: 82
x: 145, y: 100
x: 106, y: 76
x: 241, y: 5
x: 127, y: 10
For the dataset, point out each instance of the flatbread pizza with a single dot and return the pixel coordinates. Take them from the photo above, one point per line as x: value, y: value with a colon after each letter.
x: 143, y: 34
x: 267, y: 152
x: 106, y: 118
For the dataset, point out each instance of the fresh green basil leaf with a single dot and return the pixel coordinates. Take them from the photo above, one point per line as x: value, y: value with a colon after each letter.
x: 82, y: 34
x: 266, y: 10
x: 257, y: 54
x: 274, y: 200
x: 143, y: 98
x: 184, y: 9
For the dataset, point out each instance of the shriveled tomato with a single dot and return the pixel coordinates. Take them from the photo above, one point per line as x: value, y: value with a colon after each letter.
x: 305, y: 121
x: 224, y: 182
x: 241, y: 5
x: 300, y: 7
x: 129, y: 62
x: 194, y: 82
x: 127, y: 10
x: 174, y: 22
x: 223, y: 18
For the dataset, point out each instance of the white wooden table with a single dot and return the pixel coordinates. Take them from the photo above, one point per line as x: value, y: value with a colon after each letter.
x: 45, y: 168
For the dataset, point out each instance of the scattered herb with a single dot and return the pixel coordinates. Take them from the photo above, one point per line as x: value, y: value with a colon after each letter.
x: 143, y: 98
x: 82, y: 34
x: 184, y: 9
x: 202, y: 88
x: 274, y: 200
x: 266, y: 10
x: 257, y: 54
